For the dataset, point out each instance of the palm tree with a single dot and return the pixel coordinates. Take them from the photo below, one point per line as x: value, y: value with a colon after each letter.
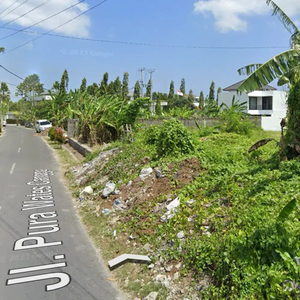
x: 285, y: 66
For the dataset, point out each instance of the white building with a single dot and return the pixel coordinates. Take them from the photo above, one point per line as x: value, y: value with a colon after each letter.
x: 266, y: 102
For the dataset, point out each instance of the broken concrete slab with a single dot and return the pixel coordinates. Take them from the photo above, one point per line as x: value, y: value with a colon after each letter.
x: 124, y: 258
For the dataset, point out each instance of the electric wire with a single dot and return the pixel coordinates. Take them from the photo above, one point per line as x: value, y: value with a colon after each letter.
x: 13, y: 9
x: 11, y: 72
x: 5, y: 24
x: 93, y: 7
x: 21, y: 30
x: 8, y: 7
x: 151, y: 44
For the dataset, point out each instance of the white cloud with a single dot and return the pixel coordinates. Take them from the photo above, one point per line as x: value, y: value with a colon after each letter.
x: 230, y: 14
x: 79, y: 27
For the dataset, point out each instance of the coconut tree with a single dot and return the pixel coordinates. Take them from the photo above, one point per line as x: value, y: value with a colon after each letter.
x: 285, y: 66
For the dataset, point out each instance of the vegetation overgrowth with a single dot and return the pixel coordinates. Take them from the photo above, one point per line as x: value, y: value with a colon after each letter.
x: 233, y: 236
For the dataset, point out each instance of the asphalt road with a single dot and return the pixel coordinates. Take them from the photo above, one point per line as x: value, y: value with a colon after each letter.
x: 44, y: 252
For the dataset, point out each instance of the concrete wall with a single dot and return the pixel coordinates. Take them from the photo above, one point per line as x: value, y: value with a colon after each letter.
x: 201, y: 121
x: 72, y: 127
x: 82, y: 149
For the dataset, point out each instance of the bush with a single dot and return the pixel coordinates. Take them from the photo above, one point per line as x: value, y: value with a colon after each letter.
x: 51, y: 133
x: 152, y: 134
x: 235, y: 122
x: 174, y: 139
x: 59, y: 135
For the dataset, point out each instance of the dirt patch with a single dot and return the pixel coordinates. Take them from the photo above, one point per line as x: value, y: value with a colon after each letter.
x: 77, y: 155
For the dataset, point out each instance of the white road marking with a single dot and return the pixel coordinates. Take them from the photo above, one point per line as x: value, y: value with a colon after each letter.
x: 12, y: 168
x: 19, y: 150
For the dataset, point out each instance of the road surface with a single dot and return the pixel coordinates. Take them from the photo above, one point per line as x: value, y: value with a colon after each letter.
x: 44, y: 252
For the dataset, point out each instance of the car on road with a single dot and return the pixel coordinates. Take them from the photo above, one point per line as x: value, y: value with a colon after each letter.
x: 41, y: 125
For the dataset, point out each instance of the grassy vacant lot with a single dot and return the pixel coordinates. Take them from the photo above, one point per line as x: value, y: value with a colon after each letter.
x: 233, y: 245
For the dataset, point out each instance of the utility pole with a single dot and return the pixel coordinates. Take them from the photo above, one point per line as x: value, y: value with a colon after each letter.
x: 151, y: 71
x: 142, y: 82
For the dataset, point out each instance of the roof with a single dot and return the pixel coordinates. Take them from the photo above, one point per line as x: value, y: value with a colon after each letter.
x: 235, y: 86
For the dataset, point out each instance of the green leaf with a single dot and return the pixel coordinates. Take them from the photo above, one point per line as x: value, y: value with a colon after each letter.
x: 286, y: 211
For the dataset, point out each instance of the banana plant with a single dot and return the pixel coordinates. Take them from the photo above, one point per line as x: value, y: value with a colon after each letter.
x: 284, y: 66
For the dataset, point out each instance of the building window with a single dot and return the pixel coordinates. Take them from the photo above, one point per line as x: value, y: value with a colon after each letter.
x: 252, y: 103
x: 267, y: 103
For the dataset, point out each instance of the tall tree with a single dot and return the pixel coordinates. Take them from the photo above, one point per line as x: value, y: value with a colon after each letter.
x: 30, y: 85
x: 4, y: 92
x: 125, y: 89
x: 218, y: 92
x: 92, y: 89
x: 201, y: 100
x: 148, y: 90
x: 103, y: 84
x: 137, y: 90
x: 191, y: 97
x: 118, y: 86
x: 211, y: 95
x: 64, y: 82
x: 83, y: 85
x: 171, y: 90
x: 182, y: 86
x: 55, y: 86
x: 110, y: 88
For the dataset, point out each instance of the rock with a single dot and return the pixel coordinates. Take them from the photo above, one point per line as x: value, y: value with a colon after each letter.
x: 158, y: 173
x: 151, y: 266
x: 152, y: 296
x: 147, y: 247
x: 180, y: 235
x: 87, y: 190
x: 190, y: 202
x: 168, y: 268
x: 176, y: 276
x: 106, y: 211
x: 171, y: 210
x: 109, y: 188
x: 163, y: 280
x: 178, y: 266
x: 129, y: 183
x: 145, y: 173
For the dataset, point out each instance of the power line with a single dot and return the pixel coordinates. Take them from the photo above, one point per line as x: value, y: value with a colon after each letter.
x: 24, y: 14
x: 8, y: 7
x: 11, y: 72
x: 151, y: 44
x: 8, y: 83
x: 14, y: 9
x: 93, y: 7
x: 20, y: 30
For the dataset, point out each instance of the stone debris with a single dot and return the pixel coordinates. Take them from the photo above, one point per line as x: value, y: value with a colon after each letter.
x: 109, y: 189
x: 151, y: 296
x: 86, y: 191
x: 145, y: 173
x: 180, y: 235
x: 171, y: 210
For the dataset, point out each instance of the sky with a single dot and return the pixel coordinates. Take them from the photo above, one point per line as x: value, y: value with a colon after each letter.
x: 201, y: 41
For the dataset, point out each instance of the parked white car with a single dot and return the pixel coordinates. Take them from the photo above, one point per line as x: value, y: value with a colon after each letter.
x: 41, y: 125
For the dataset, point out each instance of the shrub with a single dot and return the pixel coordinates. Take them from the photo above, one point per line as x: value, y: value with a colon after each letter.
x: 152, y: 134
x: 174, y: 139
x: 59, y: 135
x: 235, y: 122
x: 51, y: 133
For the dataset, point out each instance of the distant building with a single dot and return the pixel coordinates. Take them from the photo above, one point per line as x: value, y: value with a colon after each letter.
x: 40, y: 97
x: 266, y: 102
